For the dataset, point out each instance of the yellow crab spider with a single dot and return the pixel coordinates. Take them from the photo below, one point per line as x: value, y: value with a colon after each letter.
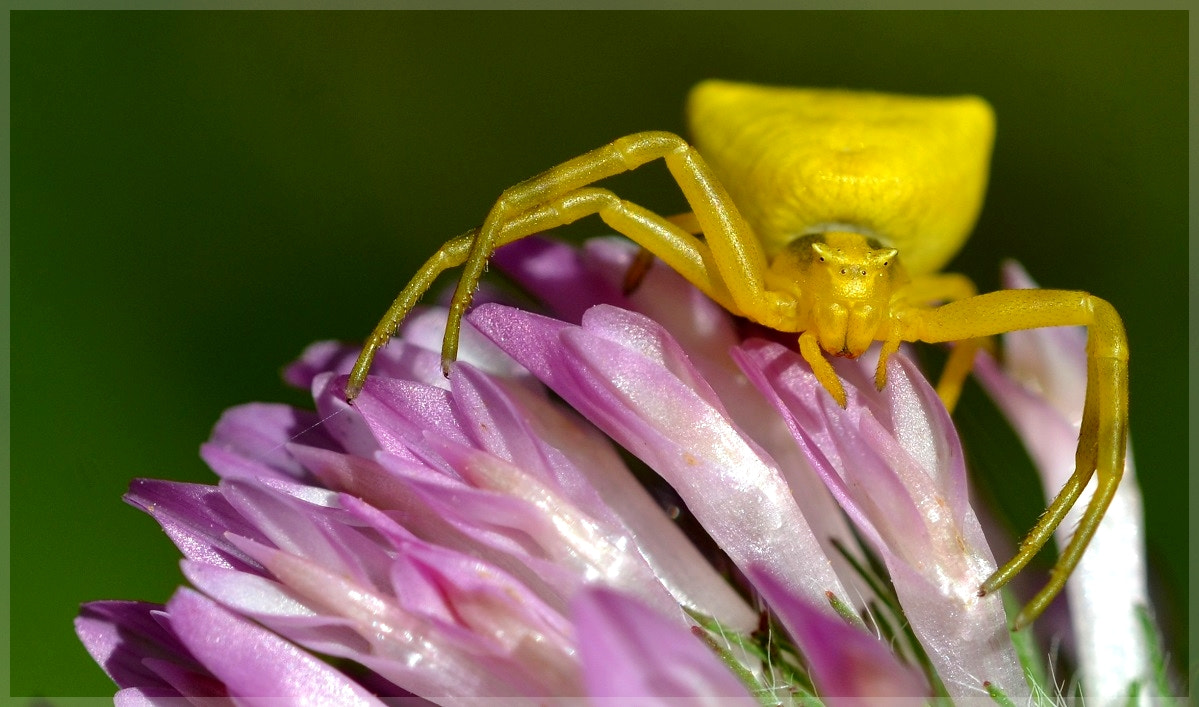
x: 828, y: 214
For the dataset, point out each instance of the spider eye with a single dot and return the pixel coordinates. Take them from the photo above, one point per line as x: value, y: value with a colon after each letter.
x: 843, y: 271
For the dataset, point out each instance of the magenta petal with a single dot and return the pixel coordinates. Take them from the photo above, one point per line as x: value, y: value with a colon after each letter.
x: 166, y: 697
x: 628, y: 377
x: 556, y: 274
x: 399, y: 413
x: 253, y: 440
x: 843, y: 660
x: 629, y: 651
x: 313, y: 532
x: 196, y: 518
x: 189, y: 683
x: 120, y: 635
x: 318, y: 358
x: 256, y: 665
x: 892, y: 459
x: 531, y: 339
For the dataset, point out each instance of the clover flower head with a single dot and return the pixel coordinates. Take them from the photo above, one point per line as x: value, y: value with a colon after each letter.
x: 482, y: 536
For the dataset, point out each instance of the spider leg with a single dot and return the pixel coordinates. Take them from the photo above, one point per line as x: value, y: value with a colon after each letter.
x: 922, y: 292
x: 957, y: 367
x: 809, y: 348
x: 644, y: 258
x: 732, y: 255
x: 675, y: 246
x: 452, y: 254
x: 1104, y: 430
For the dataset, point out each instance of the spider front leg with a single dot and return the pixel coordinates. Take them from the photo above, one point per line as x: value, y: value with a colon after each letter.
x: 452, y: 254
x: 643, y: 260
x: 728, y: 266
x: 919, y: 294
x: 673, y: 245
x: 731, y: 254
x: 1103, y: 432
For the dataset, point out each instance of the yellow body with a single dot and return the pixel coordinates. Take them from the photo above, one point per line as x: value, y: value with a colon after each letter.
x: 910, y: 172
x: 828, y: 214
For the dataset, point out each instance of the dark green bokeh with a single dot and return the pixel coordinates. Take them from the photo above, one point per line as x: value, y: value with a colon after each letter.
x: 196, y: 196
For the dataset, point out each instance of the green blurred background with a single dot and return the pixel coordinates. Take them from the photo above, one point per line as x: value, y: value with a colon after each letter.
x: 197, y: 196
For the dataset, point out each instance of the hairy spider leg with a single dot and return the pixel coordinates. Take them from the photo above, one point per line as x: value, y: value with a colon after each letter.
x: 1103, y: 434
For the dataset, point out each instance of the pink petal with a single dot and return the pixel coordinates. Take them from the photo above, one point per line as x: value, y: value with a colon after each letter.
x: 1051, y: 361
x: 190, y: 683
x: 167, y: 697
x: 253, y: 439
x: 248, y: 594
x: 628, y: 377
x: 120, y: 635
x: 406, y: 649
x: 583, y: 463
x: 906, y: 491
x: 515, y: 429
x: 843, y: 660
x: 708, y: 333
x: 557, y: 274
x: 313, y: 532
x: 632, y: 653
x: 256, y: 665
x: 507, y: 498
x: 425, y: 328
x: 542, y: 584
x: 196, y: 518
x: 495, y: 438
x: 321, y: 357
